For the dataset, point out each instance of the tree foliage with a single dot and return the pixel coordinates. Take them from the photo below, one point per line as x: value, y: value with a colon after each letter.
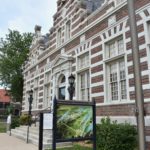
x: 14, y: 49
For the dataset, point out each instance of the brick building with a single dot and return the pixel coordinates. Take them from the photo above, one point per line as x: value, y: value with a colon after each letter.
x: 92, y: 40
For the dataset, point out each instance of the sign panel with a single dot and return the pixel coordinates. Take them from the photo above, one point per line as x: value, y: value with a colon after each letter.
x: 74, y: 122
x: 48, y: 121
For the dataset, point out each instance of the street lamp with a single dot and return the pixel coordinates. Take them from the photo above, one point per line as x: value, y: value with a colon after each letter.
x: 71, y: 88
x: 30, y: 99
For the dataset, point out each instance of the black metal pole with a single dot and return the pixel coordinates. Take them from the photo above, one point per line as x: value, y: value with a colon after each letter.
x: 28, y: 134
x: 94, y: 125
x: 54, y: 124
x: 29, y: 115
x: 41, y: 132
x: 71, y: 90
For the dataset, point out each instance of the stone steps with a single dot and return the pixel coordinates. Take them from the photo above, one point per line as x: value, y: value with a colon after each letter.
x: 21, y: 133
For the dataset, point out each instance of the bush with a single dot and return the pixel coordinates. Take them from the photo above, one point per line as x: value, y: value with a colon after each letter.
x: 24, y: 119
x: 15, y: 122
x: 113, y: 136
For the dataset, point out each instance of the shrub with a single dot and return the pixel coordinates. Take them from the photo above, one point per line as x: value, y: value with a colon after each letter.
x: 24, y: 119
x: 15, y: 122
x: 113, y: 136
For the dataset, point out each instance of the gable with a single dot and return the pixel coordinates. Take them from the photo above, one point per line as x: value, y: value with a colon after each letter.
x: 61, y: 59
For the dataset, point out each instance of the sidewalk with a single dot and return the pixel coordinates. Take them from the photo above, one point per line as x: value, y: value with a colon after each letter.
x: 11, y: 143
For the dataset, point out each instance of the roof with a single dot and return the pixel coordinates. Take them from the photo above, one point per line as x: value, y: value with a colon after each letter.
x: 4, y: 97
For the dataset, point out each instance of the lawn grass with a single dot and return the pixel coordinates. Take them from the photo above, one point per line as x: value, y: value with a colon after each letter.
x: 2, y: 127
x: 75, y: 147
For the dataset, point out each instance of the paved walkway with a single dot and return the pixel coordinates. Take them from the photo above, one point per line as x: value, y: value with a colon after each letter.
x: 11, y: 143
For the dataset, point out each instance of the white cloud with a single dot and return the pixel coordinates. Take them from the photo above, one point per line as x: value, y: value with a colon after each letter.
x: 25, y: 14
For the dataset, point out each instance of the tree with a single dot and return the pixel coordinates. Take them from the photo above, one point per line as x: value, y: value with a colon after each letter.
x: 14, y: 49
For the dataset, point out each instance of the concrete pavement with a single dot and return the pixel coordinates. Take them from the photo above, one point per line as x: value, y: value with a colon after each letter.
x: 11, y: 143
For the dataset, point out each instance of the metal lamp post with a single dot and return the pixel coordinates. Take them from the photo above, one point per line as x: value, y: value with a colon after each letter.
x: 139, y: 101
x: 71, y: 88
x: 30, y: 99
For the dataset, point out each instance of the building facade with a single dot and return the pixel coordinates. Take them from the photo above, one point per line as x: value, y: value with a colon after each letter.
x: 91, y: 40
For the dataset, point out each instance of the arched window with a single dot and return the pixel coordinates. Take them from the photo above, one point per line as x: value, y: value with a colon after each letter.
x: 62, y: 87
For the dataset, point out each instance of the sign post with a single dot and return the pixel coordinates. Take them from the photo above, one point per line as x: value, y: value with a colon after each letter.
x: 41, y: 132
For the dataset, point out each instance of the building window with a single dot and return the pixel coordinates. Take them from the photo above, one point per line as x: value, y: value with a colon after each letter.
x: 68, y: 30
x: 148, y: 27
x: 84, y: 77
x: 47, y: 77
x: 148, y: 42
x: 117, y: 80
x: 111, y: 20
x: 82, y: 38
x: 115, y: 48
x: 36, y: 82
x: 35, y: 98
x: 62, y: 88
x: 47, y: 95
x: 84, y: 86
x: 116, y: 74
x: 83, y: 61
x: 59, y: 37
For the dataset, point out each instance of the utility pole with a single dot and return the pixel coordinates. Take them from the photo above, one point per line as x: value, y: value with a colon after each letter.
x: 139, y: 99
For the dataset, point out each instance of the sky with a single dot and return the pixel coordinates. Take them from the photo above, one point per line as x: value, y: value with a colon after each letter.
x: 23, y: 15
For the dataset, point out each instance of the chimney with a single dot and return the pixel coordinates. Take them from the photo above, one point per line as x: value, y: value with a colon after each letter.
x: 37, y: 30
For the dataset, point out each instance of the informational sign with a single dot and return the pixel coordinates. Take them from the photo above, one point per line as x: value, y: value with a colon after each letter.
x: 74, y: 121
x: 48, y: 121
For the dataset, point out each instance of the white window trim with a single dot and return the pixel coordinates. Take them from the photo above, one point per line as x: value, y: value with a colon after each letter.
x: 79, y: 72
x: 85, y: 72
x: 78, y: 61
x: 47, y: 95
x: 111, y: 20
x: 36, y: 82
x: 108, y: 100
x: 47, y: 77
x: 35, y: 97
x: 66, y: 31
x: 59, y: 37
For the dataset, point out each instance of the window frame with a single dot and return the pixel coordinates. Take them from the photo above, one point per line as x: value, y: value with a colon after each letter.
x: 68, y: 30
x: 86, y: 87
x: 36, y: 97
x: 86, y: 61
x: 118, y: 81
x: 83, y: 70
x: 47, y: 95
x: 59, y: 36
x: 111, y: 60
x: 116, y: 44
x: 111, y: 20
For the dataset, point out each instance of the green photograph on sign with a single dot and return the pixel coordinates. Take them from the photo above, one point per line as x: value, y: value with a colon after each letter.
x: 74, y: 121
